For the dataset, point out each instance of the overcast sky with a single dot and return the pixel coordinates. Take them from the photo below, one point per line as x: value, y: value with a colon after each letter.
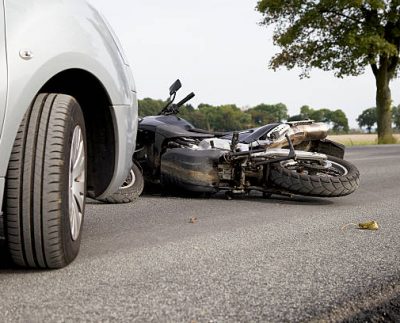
x: 219, y: 51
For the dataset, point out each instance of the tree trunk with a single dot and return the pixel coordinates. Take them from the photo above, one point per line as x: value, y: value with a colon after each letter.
x: 384, y: 106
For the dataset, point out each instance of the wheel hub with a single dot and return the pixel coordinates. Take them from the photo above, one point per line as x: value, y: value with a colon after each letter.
x: 130, y: 180
x: 328, y: 168
x: 76, y: 182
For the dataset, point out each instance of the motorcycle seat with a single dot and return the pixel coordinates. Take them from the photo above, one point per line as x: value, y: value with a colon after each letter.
x: 252, y: 135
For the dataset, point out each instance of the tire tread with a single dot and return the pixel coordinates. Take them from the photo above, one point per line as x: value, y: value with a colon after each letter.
x: 313, y: 185
x: 34, y: 184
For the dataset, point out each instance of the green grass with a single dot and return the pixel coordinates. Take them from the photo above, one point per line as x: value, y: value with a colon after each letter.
x: 358, y: 139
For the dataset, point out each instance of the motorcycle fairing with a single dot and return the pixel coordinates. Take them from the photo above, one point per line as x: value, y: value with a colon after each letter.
x: 193, y: 170
x: 151, y: 123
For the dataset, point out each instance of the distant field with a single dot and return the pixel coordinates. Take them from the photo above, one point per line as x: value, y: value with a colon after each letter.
x: 359, y: 140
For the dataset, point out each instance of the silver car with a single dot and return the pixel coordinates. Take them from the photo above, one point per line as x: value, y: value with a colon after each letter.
x: 68, y: 123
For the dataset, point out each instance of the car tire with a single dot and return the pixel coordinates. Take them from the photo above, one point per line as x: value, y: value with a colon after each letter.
x: 46, y: 184
x: 130, y: 190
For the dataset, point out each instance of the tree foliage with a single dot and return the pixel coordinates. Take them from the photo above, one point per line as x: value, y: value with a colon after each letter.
x: 150, y: 107
x: 340, y: 36
x: 221, y: 118
x: 344, y: 36
x: 339, y: 121
x: 368, y: 119
x: 396, y: 117
x: 268, y: 113
x: 229, y: 117
x: 337, y: 118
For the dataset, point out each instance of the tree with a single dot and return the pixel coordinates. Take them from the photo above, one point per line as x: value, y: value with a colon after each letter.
x: 367, y: 119
x: 337, y: 118
x: 396, y: 116
x: 339, y: 121
x: 321, y: 115
x: 232, y: 118
x: 343, y: 36
x: 150, y: 107
x: 217, y: 118
x: 268, y: 113
x: 225, y: 117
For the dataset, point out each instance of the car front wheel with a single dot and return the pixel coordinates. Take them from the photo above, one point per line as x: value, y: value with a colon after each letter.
x: 46, y: 184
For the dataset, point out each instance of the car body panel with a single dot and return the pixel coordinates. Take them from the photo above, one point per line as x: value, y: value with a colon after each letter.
x: 126, y: 137
x: 3, y: 67
x: 3, y: 88
x: 86, y: 43
x: 2, y: 184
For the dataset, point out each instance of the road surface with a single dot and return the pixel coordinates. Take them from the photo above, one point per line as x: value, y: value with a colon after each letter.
x: 245, y: 260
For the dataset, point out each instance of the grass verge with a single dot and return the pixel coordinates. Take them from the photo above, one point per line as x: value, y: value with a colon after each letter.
x: 359, y: 139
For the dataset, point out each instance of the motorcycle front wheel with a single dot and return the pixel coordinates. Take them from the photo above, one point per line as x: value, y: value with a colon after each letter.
x: 336, y: 177
x: 130, y: 190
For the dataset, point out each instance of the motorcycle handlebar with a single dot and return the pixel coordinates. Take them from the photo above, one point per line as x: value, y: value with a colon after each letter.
x: 182, y: 102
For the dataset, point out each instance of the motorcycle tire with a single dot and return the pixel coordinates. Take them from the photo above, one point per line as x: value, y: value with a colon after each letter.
x: 130, y: 190
x: 343, y: 180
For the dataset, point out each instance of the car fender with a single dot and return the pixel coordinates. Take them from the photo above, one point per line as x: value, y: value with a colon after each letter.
x: 36, y: 53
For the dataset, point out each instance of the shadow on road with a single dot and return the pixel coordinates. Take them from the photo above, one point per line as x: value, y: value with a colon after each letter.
x: 253, y: 197
x: 5, y: 262
x: 388, y: 311
x: 155, y: 191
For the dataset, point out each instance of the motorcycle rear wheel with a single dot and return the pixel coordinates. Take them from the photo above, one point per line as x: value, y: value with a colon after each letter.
x: 305, y: 178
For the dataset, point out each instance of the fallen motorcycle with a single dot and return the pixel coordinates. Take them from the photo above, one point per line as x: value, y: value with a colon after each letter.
x: 280, y: 158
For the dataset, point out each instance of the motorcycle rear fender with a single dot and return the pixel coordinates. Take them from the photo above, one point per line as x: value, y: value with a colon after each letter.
x: 328, y: 147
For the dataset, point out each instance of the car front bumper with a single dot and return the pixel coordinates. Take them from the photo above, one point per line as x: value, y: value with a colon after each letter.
x: 2, y: 184
x: 125, y: 120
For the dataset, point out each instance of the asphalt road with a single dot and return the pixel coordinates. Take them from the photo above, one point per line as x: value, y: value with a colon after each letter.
x: 244, y: 260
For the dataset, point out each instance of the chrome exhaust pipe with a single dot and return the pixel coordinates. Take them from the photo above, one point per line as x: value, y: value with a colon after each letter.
x: 299, y: 133
x: 300, y: 154
x: 314, y: 131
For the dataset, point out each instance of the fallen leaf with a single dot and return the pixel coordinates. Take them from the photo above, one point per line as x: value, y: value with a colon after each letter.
x: 370, y: 225
x: 193, y: 220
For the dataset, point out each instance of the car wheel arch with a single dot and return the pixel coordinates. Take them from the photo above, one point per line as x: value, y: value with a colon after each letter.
x: 100, y: 128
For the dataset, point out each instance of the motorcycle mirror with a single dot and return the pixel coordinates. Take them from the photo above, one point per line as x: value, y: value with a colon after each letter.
x: 175, y: 87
